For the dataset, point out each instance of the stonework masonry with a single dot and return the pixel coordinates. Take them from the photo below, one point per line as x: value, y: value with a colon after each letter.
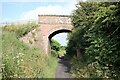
x: 48, y: 24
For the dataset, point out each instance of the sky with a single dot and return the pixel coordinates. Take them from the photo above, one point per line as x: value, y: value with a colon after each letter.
x: 27, y: 10
x: 23, y: 10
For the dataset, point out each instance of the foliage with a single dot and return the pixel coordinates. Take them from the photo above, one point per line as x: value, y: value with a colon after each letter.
x: 56, y: 49
x: 20, y: 60
x: 82, y: 18
x: 61, y: 52
x: 1, y: 52
x: 96, y: 33
x: 92, y: 70
x: 55, y: 45
x: 54, y: 53
x: 21, y: 29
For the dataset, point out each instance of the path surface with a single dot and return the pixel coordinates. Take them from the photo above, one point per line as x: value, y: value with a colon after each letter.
x: 63, y: 69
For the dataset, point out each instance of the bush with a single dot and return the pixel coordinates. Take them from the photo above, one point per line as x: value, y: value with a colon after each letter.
x: 21, y: 29
x: 54, y: 53
x: 96, y: 34
x: 81, y: 69
x: 22, y: 61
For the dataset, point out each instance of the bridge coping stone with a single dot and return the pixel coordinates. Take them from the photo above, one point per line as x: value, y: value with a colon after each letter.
x: 56, y: 15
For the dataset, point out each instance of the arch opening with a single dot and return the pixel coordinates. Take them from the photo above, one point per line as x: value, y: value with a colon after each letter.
x: 55, y: 33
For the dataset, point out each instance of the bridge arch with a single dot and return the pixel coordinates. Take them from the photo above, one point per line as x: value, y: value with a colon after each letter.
x: 55, y: 32
x: 49, y: 25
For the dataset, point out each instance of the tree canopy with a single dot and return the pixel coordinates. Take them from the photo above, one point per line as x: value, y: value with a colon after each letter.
x: 55, y: 45
x: 96, y: 33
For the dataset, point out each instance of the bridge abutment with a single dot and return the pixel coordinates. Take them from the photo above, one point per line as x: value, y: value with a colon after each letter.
x: 49, y: 25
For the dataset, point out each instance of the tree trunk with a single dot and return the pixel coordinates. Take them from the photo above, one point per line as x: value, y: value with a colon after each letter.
x: 79, y: 55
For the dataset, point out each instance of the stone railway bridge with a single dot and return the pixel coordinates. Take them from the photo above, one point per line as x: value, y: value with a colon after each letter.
x: 49, y: 26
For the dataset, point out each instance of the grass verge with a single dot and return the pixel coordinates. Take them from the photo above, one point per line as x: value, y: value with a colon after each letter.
x: 21, y: 61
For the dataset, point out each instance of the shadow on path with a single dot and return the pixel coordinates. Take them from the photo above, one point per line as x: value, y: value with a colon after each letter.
x: 63, y: 69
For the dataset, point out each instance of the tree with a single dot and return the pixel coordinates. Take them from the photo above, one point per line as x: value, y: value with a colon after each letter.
x: 82, y: 19
x: 96, y: 32
x: 55, y: 45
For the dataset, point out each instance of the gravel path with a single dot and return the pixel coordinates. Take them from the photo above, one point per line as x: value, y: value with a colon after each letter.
x: 63, y: 69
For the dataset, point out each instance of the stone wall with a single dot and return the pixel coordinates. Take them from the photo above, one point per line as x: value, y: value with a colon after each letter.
x: 47, y: 25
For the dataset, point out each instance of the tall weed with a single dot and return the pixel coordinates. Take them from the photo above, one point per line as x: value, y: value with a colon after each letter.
x: 22, y: 61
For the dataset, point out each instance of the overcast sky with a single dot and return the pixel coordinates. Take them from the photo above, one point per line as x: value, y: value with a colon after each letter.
x: 20, y: 10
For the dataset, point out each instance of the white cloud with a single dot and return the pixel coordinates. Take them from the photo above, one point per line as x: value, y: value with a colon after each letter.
x: 50, y: 10
x: 33, y: 14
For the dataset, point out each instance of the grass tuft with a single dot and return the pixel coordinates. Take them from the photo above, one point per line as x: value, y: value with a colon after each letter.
x: 21, y: 61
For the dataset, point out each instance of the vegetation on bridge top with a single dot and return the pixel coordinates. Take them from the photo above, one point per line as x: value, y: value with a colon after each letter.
x: 21, y: 29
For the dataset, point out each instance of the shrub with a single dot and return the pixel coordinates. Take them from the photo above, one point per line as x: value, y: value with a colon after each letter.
x: 54, y: 53
x: 22, y: 61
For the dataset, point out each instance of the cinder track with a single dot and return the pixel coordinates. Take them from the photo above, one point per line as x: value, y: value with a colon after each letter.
x: 63, y: 69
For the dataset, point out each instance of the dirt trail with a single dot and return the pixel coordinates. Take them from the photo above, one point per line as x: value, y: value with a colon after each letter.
x: 63, y: 69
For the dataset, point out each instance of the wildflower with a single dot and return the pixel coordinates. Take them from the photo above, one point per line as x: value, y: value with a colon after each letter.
x: 21, y: 60
x: 17, y: 56
x: 90, y: 66
x: 18, y: 61
x: 81, y: 71
x: 15, y: 75
x: 21, y: 54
